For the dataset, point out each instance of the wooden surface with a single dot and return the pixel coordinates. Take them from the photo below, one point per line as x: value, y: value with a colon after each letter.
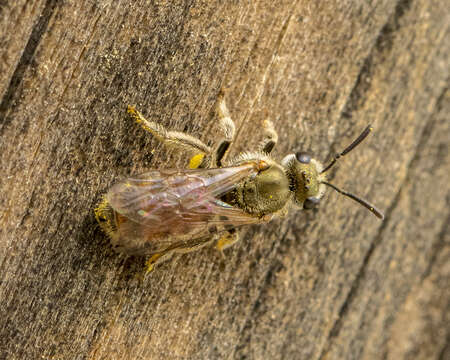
x: 335, y: 283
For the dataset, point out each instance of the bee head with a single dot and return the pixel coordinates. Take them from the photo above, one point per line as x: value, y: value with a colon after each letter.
x: 308, y: 179
x: 305, y: 177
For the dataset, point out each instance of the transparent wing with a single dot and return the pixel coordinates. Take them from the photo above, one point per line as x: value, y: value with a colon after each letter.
x: 179, y: 202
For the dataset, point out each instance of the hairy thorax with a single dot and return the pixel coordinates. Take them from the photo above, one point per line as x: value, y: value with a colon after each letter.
x: 265, y: 193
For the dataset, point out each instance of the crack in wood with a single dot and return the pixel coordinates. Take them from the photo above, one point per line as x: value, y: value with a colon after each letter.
x: 424, y: 137
x: 14, y: 90
x: 362, y: 84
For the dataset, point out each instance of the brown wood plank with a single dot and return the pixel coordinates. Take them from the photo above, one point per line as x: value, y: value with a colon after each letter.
x: 329, y: 284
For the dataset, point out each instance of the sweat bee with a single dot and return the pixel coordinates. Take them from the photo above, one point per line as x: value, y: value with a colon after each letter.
x: 163, y: 212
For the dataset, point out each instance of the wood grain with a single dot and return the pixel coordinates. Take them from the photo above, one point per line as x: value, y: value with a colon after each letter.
x: 335, y: 283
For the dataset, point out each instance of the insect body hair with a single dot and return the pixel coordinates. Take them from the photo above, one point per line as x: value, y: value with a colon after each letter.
x: 105, y: 216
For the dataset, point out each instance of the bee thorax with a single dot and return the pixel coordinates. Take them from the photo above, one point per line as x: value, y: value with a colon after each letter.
x: 266, y: 193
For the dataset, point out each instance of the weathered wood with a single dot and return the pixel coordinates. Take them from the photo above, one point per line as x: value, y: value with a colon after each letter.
x: 330, y: 284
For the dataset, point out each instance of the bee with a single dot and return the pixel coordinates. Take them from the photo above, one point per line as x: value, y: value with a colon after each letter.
x: 169, y: 211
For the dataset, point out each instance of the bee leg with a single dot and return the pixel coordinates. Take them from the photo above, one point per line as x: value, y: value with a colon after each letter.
x: 165, y: 255
x: 178, y: 139
x: 270, y: 137
x: 228, y: 129
x: 157, y: 259
x: 227, y: 239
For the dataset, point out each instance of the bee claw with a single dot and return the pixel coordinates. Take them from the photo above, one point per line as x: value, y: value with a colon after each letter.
x: 150, y: 263
x: 149, y: 268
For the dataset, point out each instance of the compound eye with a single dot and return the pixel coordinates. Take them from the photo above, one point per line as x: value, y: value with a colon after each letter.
x: 303, y: 157
x: 311, y: 203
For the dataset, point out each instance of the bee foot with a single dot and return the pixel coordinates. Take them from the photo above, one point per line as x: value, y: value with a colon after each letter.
x: 150, y: 263
x: 226, y: 241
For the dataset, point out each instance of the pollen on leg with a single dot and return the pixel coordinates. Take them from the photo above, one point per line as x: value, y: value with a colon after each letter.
x: 196, y: 161
x: 135, y: 114
x: 149, y: 264
x: 102, y: 211
x: 104, y: 215
x: 262, y: 165
x: 228, y: 239
x: 131, y: 110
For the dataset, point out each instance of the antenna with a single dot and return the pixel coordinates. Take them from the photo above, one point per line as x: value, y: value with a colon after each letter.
x: 363, y: 202
x: 349, y: 148
x: 359, y: 200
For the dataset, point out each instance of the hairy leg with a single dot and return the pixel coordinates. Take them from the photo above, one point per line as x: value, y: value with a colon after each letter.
x: 270, y: 138
x: 227, y: 239
x: 228, y: 130
x: 177, y: 139
x: 222, y: 241
x: 165, y: 255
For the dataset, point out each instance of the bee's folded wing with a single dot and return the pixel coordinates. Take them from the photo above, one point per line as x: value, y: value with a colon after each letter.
x: 172, y: 200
